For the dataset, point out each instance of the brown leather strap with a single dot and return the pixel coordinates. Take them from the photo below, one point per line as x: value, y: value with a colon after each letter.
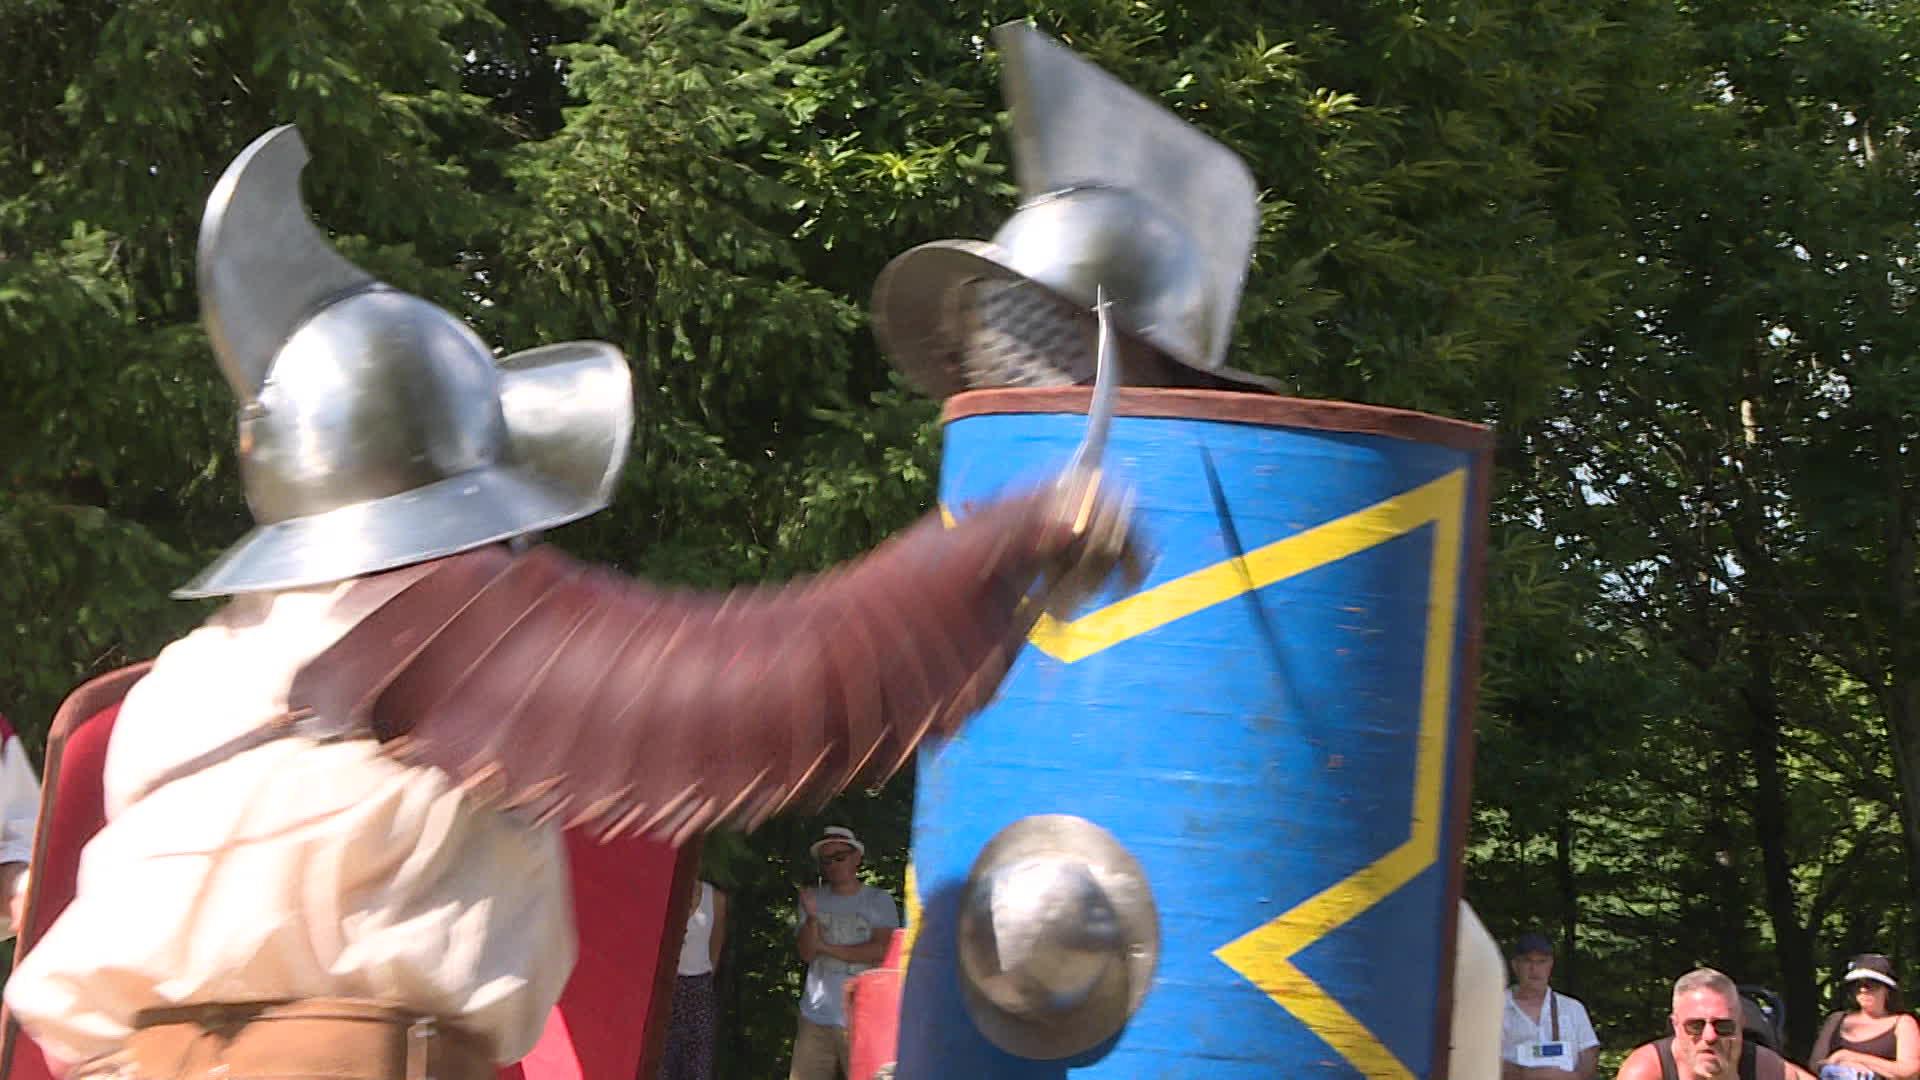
x: 368, y: 593
x: 268, y: 732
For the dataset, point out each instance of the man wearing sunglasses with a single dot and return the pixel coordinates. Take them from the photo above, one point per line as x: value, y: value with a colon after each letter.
x: 844, y: 929
x: 1707, y: 1042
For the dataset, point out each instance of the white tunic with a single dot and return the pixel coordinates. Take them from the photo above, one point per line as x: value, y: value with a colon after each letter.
x: 292, y: 870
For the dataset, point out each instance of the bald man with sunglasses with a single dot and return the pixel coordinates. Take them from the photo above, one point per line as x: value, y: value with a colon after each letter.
x: 1707, y: 1042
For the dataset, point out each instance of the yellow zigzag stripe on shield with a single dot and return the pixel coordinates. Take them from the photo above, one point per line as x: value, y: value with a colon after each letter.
x: 1264, y: 956
x: 914, y: 910
x: 1074, y: 640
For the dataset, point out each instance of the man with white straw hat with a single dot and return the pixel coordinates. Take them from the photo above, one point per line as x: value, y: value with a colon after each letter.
x: 845, y: 925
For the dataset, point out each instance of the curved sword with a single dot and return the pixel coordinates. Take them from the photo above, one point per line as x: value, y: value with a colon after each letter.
x: 1100, y: 409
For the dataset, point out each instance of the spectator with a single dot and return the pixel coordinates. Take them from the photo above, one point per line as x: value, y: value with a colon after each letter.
x: 1544, y: 1035
x: 693, y: 1027
x: 1707, y: 1043
x: 1878, y: 1037
x: 19, y: 813
x: 844, y: 929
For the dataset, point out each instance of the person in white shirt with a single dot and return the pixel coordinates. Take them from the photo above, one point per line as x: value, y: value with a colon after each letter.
x: 19, y: 814
x: 694, y: 1024
x: 1545, y: 1035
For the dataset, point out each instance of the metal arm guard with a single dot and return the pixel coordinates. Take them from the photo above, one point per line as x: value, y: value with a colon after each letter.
x: 567, y: 691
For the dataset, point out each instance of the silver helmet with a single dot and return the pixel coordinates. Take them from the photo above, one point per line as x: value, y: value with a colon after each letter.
x: 1116, y: 192
x: 376, y: 429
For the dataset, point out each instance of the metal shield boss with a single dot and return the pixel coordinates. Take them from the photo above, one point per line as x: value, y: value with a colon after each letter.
x: 1058, y: 937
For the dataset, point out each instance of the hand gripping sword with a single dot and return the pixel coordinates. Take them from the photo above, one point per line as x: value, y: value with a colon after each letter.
x: 1103, y: 524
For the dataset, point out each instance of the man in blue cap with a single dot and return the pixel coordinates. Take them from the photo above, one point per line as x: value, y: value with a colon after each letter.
x: 1544, y: 1035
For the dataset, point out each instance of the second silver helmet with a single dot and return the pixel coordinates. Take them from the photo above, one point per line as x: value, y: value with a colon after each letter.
x: 1116, y: 192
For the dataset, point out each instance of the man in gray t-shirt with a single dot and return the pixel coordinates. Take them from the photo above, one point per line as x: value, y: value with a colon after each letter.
x: 844, y: 929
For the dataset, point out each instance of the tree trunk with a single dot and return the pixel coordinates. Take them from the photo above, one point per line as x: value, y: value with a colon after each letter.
x: 1899, y: 686
x: 1793, y: 946
x: 1569, y: 898
x: 1900, y: 699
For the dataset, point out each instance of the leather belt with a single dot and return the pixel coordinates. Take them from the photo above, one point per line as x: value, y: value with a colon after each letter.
x: 314, y: 1039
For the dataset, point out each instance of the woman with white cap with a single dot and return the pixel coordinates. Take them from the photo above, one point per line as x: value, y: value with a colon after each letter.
x: 1878, y: 1037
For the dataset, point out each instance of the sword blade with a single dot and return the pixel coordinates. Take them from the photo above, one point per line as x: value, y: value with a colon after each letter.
x: 1105, y: 382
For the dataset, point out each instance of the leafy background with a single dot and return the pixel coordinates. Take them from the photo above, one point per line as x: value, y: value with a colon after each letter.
x: 1664, y: 246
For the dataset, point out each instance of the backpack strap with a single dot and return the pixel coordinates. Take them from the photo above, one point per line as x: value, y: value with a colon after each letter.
x: 1760, y: 1063
x: 1668, y: 1070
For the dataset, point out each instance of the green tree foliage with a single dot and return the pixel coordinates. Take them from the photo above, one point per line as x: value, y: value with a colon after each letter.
x: 1665, y: 248
x: 1729, y: 458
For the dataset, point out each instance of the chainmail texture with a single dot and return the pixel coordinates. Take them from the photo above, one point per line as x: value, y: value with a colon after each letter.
x: 1014, y: 333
